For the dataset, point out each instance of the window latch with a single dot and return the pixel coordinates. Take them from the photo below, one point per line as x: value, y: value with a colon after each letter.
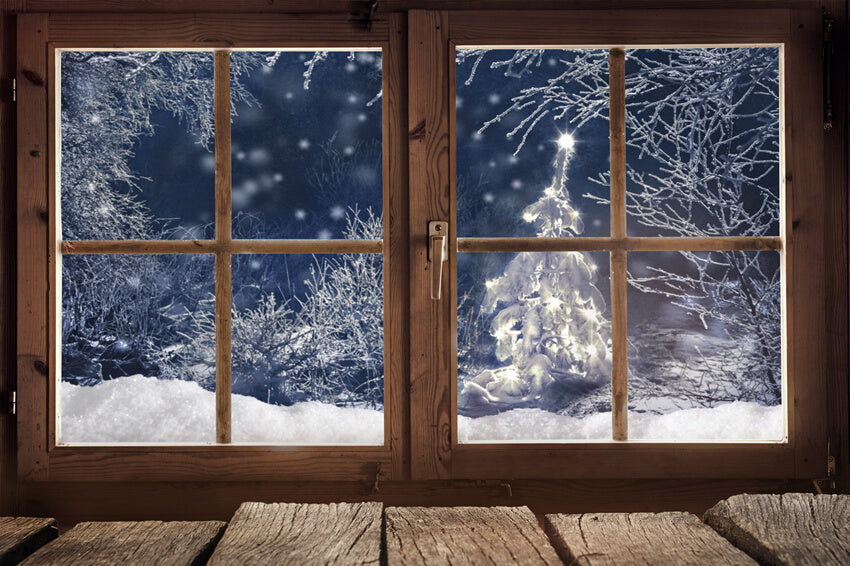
x: 438, y: 253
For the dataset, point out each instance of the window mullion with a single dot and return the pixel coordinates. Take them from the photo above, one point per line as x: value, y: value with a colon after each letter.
x: 619, y: 332
x: 223, y: 237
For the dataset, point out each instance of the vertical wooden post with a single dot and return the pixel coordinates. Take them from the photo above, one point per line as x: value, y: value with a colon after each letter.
x: 396, y: 258
x: 33, y: 372
x: 223, y: 236
x: 619, y: 331
x: 430, y: 342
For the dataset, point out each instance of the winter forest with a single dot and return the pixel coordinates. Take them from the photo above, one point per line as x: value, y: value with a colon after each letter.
x: 534, y: 355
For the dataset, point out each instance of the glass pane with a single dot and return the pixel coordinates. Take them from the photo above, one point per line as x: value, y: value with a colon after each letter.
x: 702, y: 129
x: 138, y: 349
x: 306, y: 141
x: 705, y: 344
x: 531, y: 121
x: 137, y: 145
x: 534, y: 347
x: 308, y: 349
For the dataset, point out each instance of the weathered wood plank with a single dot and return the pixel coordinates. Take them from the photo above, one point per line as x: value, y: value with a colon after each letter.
x: 21, y: 536
x: 294, y: 533
x: 131, y: 543
x: 794, y: 528
x: 466, y: 535
x: 429, y: 190
x: 639, y: 538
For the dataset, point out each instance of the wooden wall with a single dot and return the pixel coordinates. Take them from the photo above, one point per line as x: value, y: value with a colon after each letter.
x: 74, y: 502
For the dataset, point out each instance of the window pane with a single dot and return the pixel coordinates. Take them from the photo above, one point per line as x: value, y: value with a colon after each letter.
x: 705, y: 345
x: 308, y: 349
x: 136, y: 145
x: 534, y: 347
x: 138, y: 349
x: 529, y: 121
x: 702, y: 129
x: 306, y: 141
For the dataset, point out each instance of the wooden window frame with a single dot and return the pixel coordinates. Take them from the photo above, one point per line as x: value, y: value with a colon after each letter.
x: 419, y: 184
x: 436, y: 452
x: 40, y: 247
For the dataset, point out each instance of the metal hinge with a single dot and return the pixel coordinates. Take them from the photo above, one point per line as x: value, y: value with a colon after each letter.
x: 827, y: 484
x: 14, y: 90
x: 13, y: 402
x: 828, y: 46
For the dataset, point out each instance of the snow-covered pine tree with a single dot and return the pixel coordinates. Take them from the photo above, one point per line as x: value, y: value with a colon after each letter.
x: 549, y: 325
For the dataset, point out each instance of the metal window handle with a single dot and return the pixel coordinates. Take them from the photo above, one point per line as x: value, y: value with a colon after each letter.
x: 438, y: 253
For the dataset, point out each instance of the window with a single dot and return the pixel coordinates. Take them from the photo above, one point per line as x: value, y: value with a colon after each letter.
x: 269, y: 337
x: 202, y: 276
x: 440, y: 380
x: 465, y: 438
x: 694, y: 165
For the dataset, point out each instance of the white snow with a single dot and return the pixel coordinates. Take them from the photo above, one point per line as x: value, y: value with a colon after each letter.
x: 738, y: 421
x: 142, y: 409
x: 148, y: 410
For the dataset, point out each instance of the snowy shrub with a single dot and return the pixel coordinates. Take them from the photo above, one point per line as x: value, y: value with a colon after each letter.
x: 344, y: 308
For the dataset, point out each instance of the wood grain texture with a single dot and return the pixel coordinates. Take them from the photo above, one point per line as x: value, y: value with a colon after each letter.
x: 223, y: 215
x: 837, y: 275
x: 620, y: 28
x: 358, y: 8
x: 672, y: 538
x: 795, y: 528
x: 21, y: 536
x: 397, y: 254
x: 32, y: 222
x: 223, y: 462
x: 430, y: 340
x: 806, y: 253
x: 602, y: 244
x: 73, y: 502
x: 294, y: 533
x: 213, y: 246
x: 622, y: 460
x: 619, y: 347
x: 619, y: 284
x: 214, y: 30
x: 8, y: 434
x: 466, y: 535
x: 131, y: 543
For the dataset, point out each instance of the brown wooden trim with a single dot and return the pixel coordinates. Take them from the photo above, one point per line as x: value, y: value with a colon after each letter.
x: 611, y: 244
x: 837, y: 292
x: 430, y: 418
x: 222, y: 258
x: 605, y: 28
x: 8, y: 167
x: 619, y: 347
x: 218, y: 463
x: 617, y: 125
x: 213, y: 30
x: 213, y: 246
x: 622, y: 460
x: 32, y: 218
x: 619, y: 284
x: 356, y: 10
x: 396, y: 257
x: 805, y: 262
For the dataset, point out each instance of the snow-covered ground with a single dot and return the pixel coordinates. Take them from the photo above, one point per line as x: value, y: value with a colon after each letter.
x: 141, y: 409
x: 730, y: 422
